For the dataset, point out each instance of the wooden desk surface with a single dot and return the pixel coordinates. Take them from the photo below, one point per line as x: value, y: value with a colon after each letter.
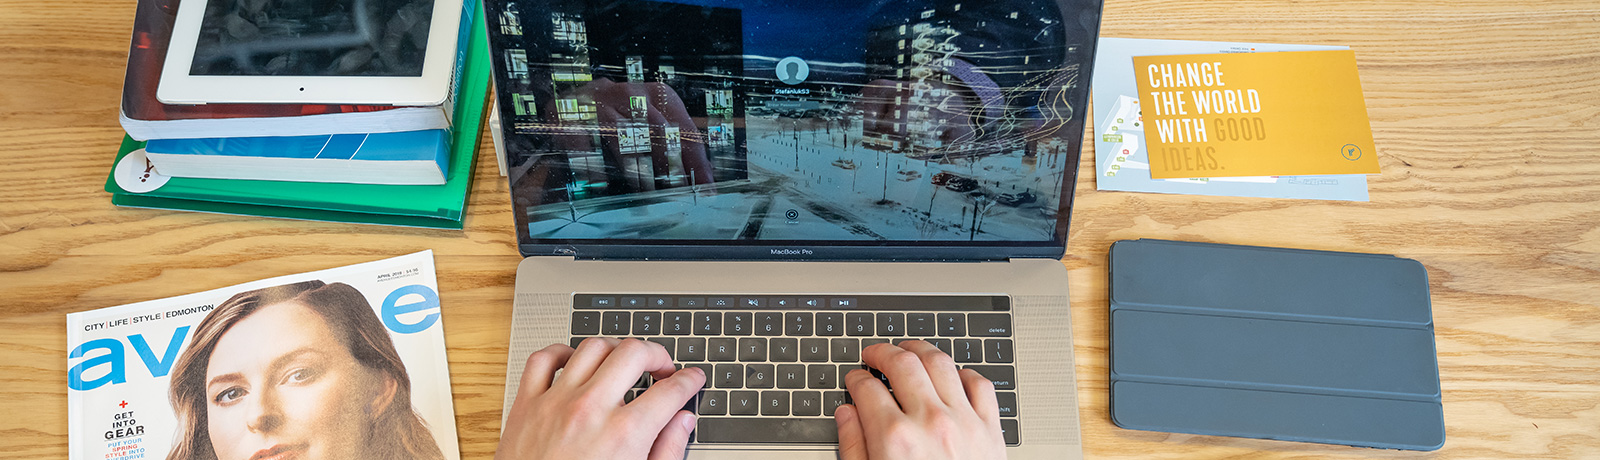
x: 1486, y: 116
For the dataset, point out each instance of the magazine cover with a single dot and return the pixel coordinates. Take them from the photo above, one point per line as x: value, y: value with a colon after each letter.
x: 340, y: 363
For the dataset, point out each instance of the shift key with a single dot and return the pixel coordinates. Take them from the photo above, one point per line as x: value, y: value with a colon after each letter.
x: 1003, y: 377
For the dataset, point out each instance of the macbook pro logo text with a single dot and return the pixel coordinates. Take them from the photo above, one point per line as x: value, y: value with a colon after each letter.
x: 791, y: 252
x: 793, y: 70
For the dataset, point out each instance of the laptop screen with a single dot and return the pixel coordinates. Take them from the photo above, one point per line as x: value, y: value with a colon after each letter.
x: 767, y: 122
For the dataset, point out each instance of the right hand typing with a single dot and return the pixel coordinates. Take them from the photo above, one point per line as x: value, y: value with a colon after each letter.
x: 935, y: 412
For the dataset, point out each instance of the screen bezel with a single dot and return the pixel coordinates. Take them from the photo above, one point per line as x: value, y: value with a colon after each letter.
x: 177, y: 86
x: 830, y: 250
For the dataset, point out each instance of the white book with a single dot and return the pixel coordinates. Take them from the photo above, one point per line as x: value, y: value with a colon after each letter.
x: 347, y: 362
x: 398, y: 119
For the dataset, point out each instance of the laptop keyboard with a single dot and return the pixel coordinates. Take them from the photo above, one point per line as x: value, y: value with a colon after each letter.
x: 775, y: 365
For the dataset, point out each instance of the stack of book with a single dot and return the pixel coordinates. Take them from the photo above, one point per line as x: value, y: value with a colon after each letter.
x: 379, y: 164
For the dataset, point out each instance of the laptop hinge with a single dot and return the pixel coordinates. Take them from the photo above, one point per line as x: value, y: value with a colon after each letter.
x: 797, y: 252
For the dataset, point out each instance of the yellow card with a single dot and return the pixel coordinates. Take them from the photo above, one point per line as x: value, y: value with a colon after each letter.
x: 1290, y: 113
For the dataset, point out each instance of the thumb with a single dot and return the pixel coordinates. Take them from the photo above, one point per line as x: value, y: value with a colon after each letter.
x: 674, y: 438
x: 852, y: 441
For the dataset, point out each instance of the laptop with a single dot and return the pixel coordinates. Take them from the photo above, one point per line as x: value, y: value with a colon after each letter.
x: 767, y: 188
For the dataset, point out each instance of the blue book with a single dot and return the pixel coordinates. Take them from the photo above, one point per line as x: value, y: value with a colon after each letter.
x: 404, y: 158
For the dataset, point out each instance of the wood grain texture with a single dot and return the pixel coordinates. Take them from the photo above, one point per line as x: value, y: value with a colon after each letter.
x: 1484, y: 114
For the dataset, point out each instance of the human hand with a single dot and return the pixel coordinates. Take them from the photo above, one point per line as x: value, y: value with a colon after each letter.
x: 580, y: 414
x: 934, y: 413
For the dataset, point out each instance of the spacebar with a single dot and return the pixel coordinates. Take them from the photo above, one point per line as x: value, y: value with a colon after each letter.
x: 717, y: 430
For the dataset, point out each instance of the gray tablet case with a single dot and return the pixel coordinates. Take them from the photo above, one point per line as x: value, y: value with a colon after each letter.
x: 1286, y: 344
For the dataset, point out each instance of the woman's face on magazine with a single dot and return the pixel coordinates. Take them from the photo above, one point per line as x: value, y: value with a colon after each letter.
x: 281, y: 386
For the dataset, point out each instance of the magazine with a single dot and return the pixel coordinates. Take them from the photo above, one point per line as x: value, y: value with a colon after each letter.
x: 340, y: 363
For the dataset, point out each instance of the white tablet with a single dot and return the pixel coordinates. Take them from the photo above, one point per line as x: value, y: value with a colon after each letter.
x: 370, y: 52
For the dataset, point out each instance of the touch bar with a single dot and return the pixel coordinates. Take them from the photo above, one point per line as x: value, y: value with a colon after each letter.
x: 977, y: 303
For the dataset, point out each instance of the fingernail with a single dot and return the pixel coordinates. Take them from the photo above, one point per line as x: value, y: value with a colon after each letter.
x: 688, y: 422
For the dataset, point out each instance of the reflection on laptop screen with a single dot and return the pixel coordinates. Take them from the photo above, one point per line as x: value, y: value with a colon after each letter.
x: 825, y: 120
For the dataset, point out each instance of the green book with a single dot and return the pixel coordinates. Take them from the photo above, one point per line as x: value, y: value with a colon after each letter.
x: 432, y: 206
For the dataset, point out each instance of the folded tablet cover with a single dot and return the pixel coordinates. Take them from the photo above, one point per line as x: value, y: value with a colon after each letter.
x: 1271, y: 343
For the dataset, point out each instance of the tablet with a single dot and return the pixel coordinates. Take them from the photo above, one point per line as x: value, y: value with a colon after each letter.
x: 1272, y: 343
x: 375, y: 52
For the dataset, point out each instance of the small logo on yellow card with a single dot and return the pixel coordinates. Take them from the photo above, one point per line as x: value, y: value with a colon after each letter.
x: 1350, y: 152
